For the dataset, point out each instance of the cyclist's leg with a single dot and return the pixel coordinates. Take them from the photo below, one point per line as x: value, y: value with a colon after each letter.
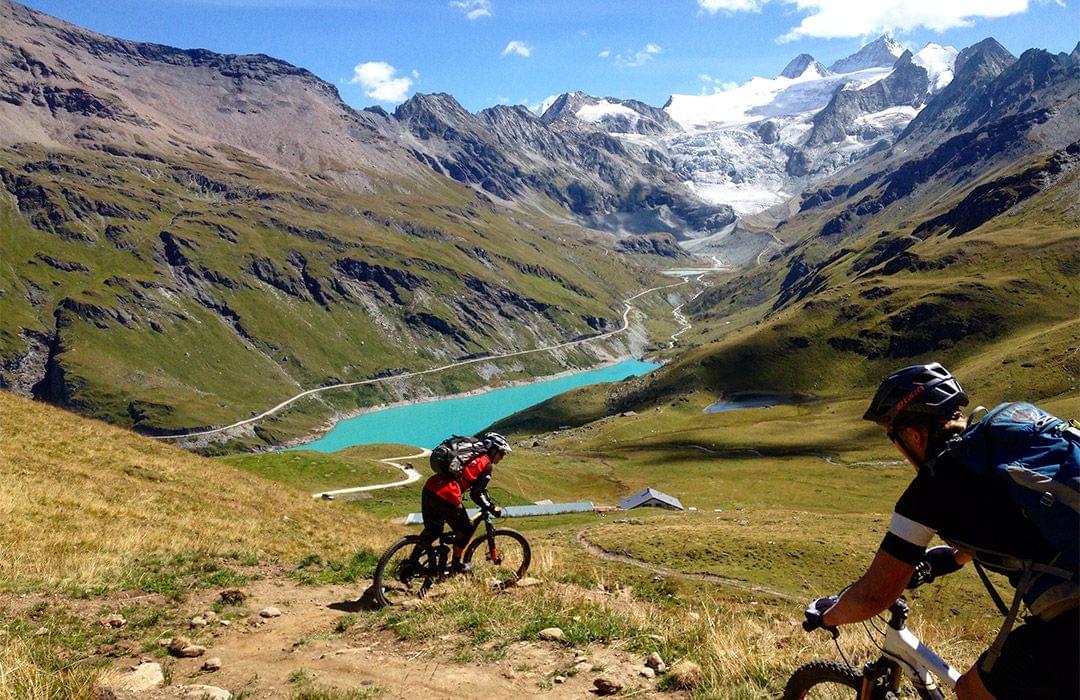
x: 458, y: 519
x: 1037, y: 661
x: 434, y: 518
x: 970, y: 686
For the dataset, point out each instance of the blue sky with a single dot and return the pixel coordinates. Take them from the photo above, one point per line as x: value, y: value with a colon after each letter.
x: 521, y: 51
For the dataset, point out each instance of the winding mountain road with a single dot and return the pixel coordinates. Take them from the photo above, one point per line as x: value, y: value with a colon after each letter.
x: 405, y: 375
x: 411, y: 475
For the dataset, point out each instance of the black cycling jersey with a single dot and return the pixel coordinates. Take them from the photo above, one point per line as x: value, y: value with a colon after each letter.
x: 963, y: 509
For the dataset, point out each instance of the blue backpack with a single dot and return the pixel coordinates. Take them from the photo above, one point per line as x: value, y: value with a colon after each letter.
x: 1035, y: 457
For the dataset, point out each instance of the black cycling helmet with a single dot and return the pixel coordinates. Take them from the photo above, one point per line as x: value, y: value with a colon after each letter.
x: 916, y: 394
x: 494, y: 442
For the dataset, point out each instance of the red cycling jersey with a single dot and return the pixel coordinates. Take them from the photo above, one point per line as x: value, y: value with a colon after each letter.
x: 450, y: 488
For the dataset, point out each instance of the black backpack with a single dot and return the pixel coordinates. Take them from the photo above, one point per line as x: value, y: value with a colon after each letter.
x: 453, y: 453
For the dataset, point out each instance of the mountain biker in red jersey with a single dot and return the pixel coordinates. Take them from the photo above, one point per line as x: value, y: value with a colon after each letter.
x: 441, y: 501
x: 919, y: 408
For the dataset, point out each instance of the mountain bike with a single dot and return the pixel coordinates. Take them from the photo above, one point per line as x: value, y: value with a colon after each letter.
x: 414, y: 564
x: 902, y: 655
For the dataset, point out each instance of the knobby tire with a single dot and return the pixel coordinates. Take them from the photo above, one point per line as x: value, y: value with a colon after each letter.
x: 480, y: 543
x: 383, y: 577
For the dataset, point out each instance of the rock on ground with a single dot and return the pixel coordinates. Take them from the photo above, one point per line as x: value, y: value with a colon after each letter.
x: 270, y: 612
x: 182, y: 647
x: 204, y: 692
x: 145, y: 677
x: 552, y: 634
x: 606, y: 686
x: 656, y: 662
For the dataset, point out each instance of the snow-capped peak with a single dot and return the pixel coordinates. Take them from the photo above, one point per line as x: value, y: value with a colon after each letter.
x: 546, y: 104
x: 604, y: 110
x: 802, y: 63
x: 938, y: 61
x: 879, y: 53
x: 761, y: 98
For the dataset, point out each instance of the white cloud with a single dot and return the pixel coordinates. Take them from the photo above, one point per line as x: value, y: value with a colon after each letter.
x: 517, y: 48
x: 714, y: 6
x: 473, y: 9
x: 830, y: 19
x: 633, y: 59
x: 381, y: 82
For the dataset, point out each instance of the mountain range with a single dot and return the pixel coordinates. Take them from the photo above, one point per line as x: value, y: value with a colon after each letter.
x: 160, y: 202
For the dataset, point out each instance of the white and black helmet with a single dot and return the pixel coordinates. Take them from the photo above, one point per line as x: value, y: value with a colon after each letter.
x: 494, y: 442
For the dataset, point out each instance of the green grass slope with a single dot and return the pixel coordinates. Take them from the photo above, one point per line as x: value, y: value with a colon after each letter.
x: 166, y: 292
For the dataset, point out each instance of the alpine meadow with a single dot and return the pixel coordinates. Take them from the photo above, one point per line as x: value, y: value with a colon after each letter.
x: 218, y: 268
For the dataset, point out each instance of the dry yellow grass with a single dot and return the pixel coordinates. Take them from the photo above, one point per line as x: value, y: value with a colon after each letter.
x: 25, y: 677
x: 746, y: 645
x: 82, y: 502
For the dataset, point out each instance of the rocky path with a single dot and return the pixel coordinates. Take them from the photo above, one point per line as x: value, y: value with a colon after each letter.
x: 318, y: 638
x: 411, y: 475
x: 624, y: 325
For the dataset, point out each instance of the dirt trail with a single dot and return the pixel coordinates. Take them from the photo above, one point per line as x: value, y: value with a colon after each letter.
x: 410, y: 473
x: 263, y: 658
x: 600, y: 552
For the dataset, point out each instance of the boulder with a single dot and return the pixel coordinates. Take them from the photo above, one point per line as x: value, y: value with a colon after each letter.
x: 204, y: 692
x: 528, y: 582
x: 606, y: 686
x: 552, y: 634
x: 183, y: 648
x: 646, y: 672
x: 114, y: 621
x: 146, y: 676
x: 197, y: 622
x: 656, y: 662
x: 233, y: 596
x: 212, y: 664
x: 270, y: 612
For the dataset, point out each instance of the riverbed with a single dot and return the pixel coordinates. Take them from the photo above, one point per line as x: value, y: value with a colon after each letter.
x: 425, y: 424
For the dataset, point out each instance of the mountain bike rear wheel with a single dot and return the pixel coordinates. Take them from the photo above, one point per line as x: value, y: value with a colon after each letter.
x: 408, y: 569
x: 504, y: 563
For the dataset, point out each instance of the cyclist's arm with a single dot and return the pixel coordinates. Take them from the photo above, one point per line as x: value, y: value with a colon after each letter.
x: 478, y: 493
x: 878, y: 588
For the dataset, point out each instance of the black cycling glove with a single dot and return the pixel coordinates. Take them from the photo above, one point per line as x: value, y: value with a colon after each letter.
x: 815, y: 611
x: 938, y: 561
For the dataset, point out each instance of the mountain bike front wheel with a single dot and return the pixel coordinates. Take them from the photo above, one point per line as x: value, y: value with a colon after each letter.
x: 408, y: 569
x: 829, y: 680
x: 500, y: 558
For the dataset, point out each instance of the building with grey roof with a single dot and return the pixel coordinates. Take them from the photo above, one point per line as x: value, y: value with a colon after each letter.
x: 650, y: 497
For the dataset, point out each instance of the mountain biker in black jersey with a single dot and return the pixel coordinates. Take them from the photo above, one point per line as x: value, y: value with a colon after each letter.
x: 919, y: 407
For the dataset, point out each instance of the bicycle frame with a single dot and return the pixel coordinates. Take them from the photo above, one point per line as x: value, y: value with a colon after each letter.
x: 909, y: 655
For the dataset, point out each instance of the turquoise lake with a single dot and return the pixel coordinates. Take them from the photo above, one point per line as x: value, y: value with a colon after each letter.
x: 427, y: 424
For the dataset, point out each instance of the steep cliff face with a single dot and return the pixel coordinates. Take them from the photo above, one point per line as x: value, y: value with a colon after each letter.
x: 189, y: 236
x: 580, y: 162
x: 958, y: 243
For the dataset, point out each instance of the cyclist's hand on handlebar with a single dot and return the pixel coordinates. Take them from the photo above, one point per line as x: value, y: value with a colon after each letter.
x: 938, y: 561
x: 497, y: 511
x: 814, y: 613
